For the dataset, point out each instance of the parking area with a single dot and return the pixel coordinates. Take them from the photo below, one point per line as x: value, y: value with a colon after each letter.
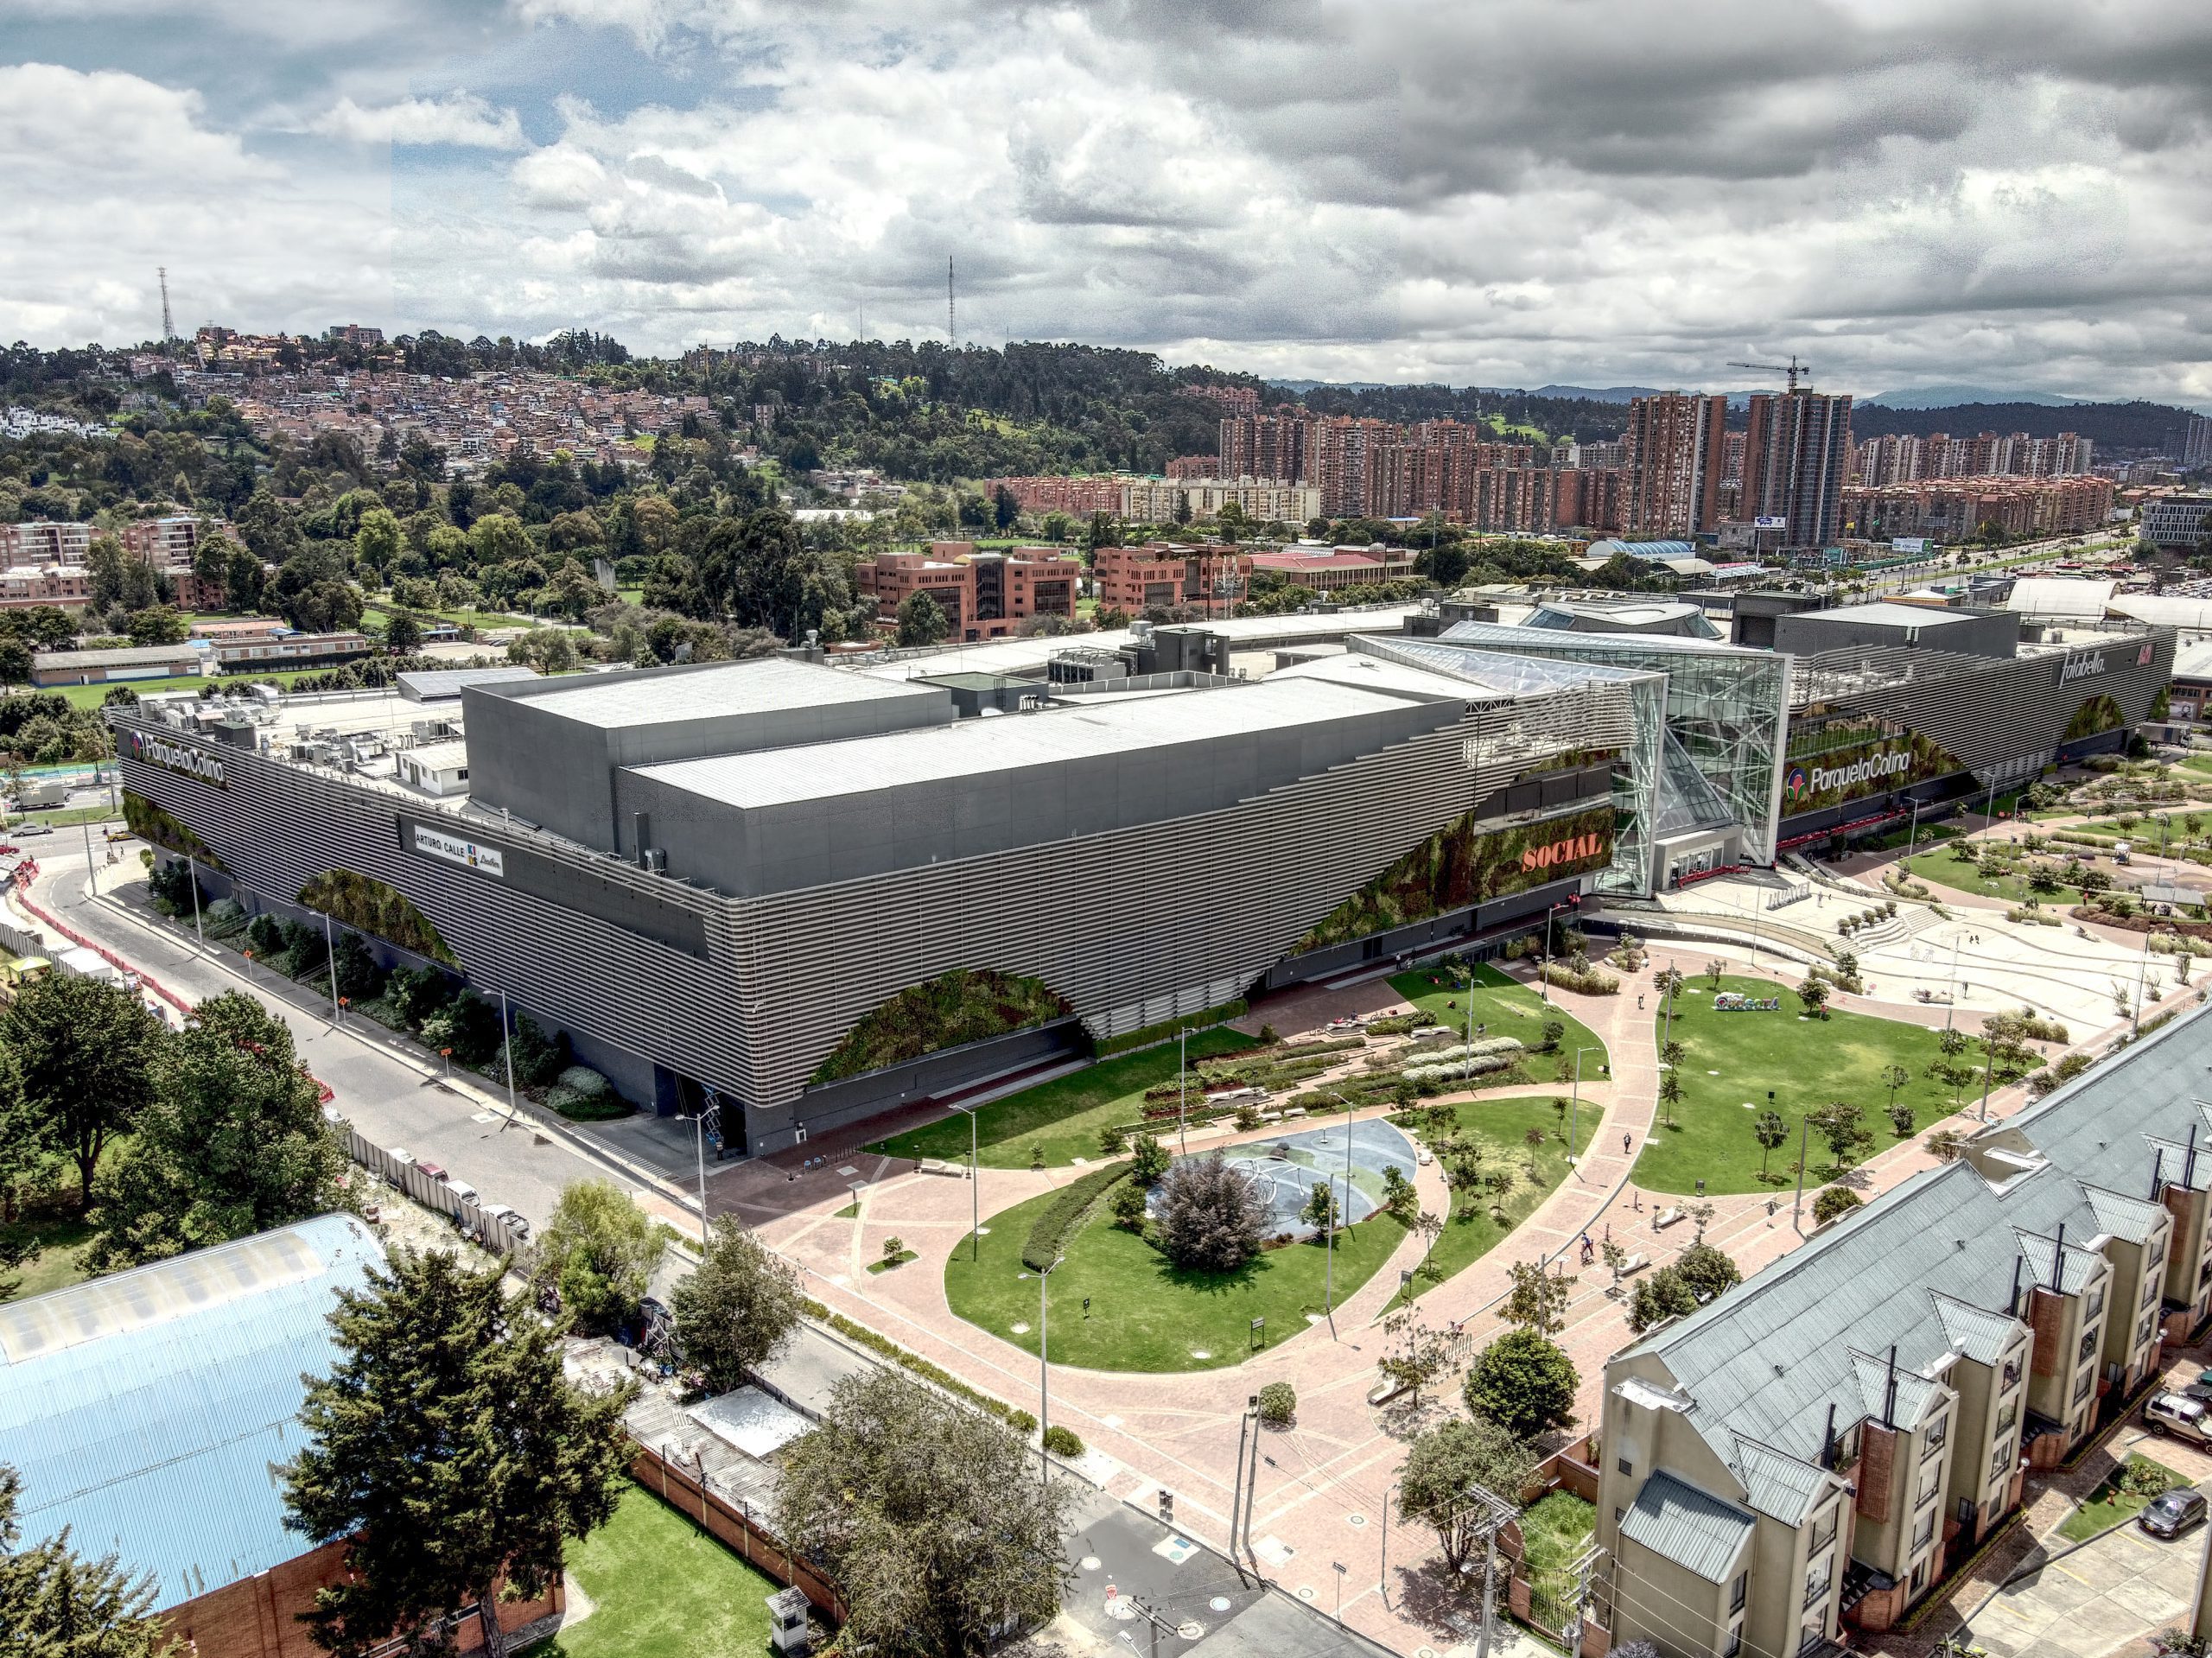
x: 2104, y: 1597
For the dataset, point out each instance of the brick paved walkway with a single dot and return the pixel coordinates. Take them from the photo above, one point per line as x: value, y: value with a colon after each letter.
x: 1321, y: 1486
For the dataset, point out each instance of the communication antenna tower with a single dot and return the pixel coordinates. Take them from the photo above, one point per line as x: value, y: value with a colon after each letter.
x: 169, y: 327
x: 951, y: 335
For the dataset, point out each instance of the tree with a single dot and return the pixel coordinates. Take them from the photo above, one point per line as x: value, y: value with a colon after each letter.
x: 378, y: 542
x: 1320, y: 1211
x: 1443, y: 1470
x: 86, y: 1050
x: 1524, y: 1383
x: 15, y: 660
x: 447, y: 1444
x: 1127, y: 1206
x: 1659, y: 1296
x: 597, y: 1250
x: 1212, y: 1215
x: 1771, y: 1131
x: 1706, y: 1270
x: 1670, y: 1095
x: 1668, y: 981
x: 55, y: 1604
x: 929, y: 1514
x: 1842, y: 1126
x: 1713, y: 969
x: 1813, y: 994
x: 1893, y: 1078
x: 403, y: 634
x: 1148, y: 1161
x: 1424, y: 1357
x: 1832, y: 1201
x: 738, y: 1308
x: 921, y: 621
x: 156, y: 624
x: 232, y: 1143
x: 1537, y: 1300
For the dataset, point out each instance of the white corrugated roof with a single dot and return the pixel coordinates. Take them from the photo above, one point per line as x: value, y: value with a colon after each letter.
x: 760, y: 685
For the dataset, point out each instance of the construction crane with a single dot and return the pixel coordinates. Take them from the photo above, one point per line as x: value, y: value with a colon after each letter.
x: 1792, y: 368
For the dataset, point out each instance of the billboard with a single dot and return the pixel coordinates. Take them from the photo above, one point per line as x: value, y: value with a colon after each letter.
x: 1814, y: 781
x: 1907, y: 544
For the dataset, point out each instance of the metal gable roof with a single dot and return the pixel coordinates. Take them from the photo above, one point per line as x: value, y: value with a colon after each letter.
x: 1977, y: 1332
x: 147, y: 1412
x: 1697, y: 1531
x: 1778, y: 1484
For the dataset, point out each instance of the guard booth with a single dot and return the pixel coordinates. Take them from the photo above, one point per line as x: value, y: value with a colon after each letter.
x: 787, y: 1615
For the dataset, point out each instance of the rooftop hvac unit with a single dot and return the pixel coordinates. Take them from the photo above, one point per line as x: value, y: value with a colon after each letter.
x: 656, y: 860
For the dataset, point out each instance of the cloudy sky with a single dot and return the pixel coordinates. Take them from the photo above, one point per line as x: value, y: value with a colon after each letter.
x: 1594, y: 191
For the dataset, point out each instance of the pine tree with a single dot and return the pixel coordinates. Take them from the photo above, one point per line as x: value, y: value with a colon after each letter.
x: 449, y: 1446
x: 55, y: 1604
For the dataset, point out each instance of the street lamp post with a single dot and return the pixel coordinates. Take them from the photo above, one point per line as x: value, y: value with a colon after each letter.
x: 975, y: 1191
x: 699, y: 1143
x: 92, y: 874
x: 191, y: 869
x: 330, y: 954
x: 1044, y: 1375
x: 1543, y: 967
x: 1182, y: 1087
x: 1804, y: 1138
x: 1912, y: 837
x: 507, y: 1042
x: 1576, y: 1116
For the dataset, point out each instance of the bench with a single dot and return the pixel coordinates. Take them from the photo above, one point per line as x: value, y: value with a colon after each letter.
x: 1665, y: 1218
x: 1635, y: 1263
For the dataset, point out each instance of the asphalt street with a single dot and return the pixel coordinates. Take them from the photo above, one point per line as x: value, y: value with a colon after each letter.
x: 396, y: 1098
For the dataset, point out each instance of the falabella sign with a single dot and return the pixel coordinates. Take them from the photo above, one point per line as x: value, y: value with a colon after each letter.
x: 2081, y: 664
x: 175, y: 757
x: 1574, y: 849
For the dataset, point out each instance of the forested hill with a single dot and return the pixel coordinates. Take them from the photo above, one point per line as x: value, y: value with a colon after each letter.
x: 2117, y: 427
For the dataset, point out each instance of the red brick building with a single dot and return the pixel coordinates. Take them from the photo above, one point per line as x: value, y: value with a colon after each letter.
x: 984, y: 595
x: 1165, y: 573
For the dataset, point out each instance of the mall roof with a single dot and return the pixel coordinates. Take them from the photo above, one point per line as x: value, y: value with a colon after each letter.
x: 2194, y: 661
x: 2166, y: 610
x: 1885, y: 613
x: 1500, y: 636
x: 1603, y: 550
x: 664, y: 696
x: 2061, y: 597
x: 145, y: 1411
x: 439, y: 684
x: 863, y: 766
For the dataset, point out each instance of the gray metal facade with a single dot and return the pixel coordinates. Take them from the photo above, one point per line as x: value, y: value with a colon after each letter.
x: 746, y: 993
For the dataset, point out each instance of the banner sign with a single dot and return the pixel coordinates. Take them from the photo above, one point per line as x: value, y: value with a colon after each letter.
x: 1574, y: 849
x: 451, y: 848
x: 1765, y: 522
x: 1734, y: 1001
x: 1873, y: 768
x: 175, y: 756
x: 1907, y: 544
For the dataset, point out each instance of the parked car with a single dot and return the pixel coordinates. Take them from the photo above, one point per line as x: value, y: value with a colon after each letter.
x: 517, y: 1221
x: 21, y: 830
x: 2180, y: 1415
x: 460, y: 1189
x: 2172, y: 1513
x: 435, y: 1171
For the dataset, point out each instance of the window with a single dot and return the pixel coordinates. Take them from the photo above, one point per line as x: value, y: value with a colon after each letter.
x: 1626, y: 1467
x: 1936, y: 1434
x: 1928, y: 1487
x: 1735, y: 1642
x: 2006, y: 1417
x: 1924, y: 1533
x: 1814, y: 1633
x: 1816, y: 1580
x: 2011, y: 1378
x: 1739, y: 1591
x: 2089, y: 1380
x: 2143, y: 1330
x: 2001, y: 1463
x: 2096, y: 1303
x: 2088, y: 1343
x: 1823, y: 1532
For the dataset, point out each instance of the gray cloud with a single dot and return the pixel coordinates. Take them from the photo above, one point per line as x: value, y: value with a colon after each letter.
x: 1513, y: 190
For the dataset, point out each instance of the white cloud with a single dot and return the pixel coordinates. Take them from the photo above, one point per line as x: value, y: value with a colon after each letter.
x: 2006, y: 191
x: 458, y: 118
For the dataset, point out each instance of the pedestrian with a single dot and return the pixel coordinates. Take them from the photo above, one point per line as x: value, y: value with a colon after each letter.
x: 1639, y: 1001
x: 1623, y: 1145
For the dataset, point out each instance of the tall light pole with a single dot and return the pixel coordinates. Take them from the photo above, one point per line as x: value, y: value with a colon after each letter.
x: 1953, y: 1007
x: 1674, y: 977
x: 1044, y: 1374
x: 507, y: 1033
x: 1182, y: 1087
x: 330, y: 955
x: 1571, y: 1162
x: 1804, y: 1138
x: 1912, y: 836
x: 975, y: 1190
x: 92, y: 873
x: 191, y: 869
x: 1543, y: 967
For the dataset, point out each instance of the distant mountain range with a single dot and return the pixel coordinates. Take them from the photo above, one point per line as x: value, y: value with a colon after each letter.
x: 1950, y: 396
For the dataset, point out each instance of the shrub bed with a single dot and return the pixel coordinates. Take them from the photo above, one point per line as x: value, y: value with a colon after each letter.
x: 1060, y: 1216
x: 1590, y: 982
x: 1167, y: 1029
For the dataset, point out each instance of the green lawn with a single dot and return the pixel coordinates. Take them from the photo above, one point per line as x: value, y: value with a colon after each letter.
x: 1145, y: 1314
x: 1506, y: 1006
x: 62, y: 1240
x: 1941, y: 869
x: 1469, y: 1232
x: 92, y: 696
x: 2109, y: 1505
x: 662, y: 1588
x: 382, y: 610
x: 66, y: 816
x: 1063, y: 1115
x: 1806, y: 1063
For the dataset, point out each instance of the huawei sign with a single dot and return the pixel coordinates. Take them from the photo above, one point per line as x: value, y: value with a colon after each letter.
x: 1575, y: 849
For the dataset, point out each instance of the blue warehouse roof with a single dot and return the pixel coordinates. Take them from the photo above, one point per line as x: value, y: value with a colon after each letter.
x: 147, y: 1411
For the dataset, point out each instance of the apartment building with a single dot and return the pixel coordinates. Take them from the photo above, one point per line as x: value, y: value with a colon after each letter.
x: 42, y: 541
x: 2196, y: 442
x: 1902, y: 457
x: 1819, y: 1446
x: 246, y: 652
x: 1590, y: 498
x: 2177, y: 520
x: 1952, y: 509
x: 69, y: 585
x: 1165, y: 574
x: 1675, y: 445
x: 984, y: 595
x: 1796, y: 445
x: 1152, y: 500
x: 1077, y: 497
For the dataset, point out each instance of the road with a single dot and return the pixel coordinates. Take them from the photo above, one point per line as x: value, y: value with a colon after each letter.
x: 394, y: 1095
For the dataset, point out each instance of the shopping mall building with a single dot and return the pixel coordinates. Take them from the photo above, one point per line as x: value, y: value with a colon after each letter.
x: 822, y: 892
